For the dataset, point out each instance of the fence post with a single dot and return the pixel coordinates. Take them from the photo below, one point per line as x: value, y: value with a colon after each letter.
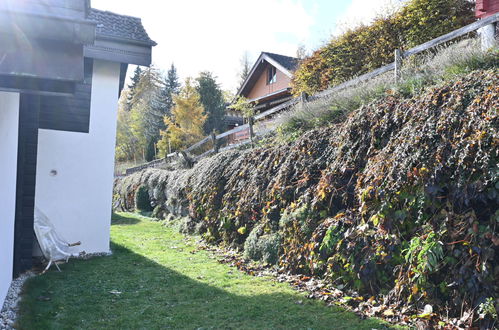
x: 303, y: 97
x: 487, y: 36
x: 251, y: 122
x: 214, y: 141
x: 187, y: 159
x: 398, y: 65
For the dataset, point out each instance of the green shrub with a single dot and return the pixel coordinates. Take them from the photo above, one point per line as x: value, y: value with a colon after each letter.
x: 186, y: 225
x: 159, y: 212
x: 302, y: 216
x: 424, y: 255
x: 142, y: 200
x: 368, y: 47
x: 261, y: 246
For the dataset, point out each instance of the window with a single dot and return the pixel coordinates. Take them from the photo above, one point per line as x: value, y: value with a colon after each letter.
x: 271, y: 75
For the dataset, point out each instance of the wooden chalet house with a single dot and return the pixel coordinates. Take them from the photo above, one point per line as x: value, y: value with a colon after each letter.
x: 486, y: 8
x: 62, y: 67
x: 267, y: 85
x: 269, y: 81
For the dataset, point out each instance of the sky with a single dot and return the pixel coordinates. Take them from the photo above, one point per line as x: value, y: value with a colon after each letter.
x: 213, y: 35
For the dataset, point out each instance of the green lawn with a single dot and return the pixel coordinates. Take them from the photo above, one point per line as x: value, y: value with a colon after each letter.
x: 152, y: 281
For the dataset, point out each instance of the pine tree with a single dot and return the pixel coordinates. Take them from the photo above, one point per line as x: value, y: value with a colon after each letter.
x: 212, y: 99
x: 172, y: 86
x: 245, y: 69
x: 185, y: 125
x: 160, y: 100
x: 135, y: 81
x: 146, y: 111
x: 142, y: 110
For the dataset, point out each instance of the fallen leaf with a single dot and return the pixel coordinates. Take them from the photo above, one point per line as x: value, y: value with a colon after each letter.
x: 389, y: 312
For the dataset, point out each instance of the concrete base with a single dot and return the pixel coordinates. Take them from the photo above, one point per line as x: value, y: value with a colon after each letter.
x: 488, y: 36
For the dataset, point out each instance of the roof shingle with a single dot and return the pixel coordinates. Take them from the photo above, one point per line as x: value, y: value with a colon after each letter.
x: 289, y: 63
x: 119, y: 26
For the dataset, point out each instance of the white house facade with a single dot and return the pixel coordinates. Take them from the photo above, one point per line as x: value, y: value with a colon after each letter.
x: 62, y: 68
x: 9, y: 118
x: 74, y: 180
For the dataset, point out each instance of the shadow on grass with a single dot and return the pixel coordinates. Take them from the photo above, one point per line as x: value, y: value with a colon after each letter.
x: 128, y: 291
x: 123, y: 219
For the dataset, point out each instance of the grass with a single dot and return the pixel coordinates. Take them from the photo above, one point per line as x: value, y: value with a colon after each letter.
x: 156, y: 279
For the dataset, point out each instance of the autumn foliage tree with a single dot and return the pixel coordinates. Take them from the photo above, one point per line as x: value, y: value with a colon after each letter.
x: 185, y: 125
x: 126, y: 142
x: 143, y: 106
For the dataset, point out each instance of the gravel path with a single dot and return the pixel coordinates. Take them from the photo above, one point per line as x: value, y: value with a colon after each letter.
x: 9, y: 311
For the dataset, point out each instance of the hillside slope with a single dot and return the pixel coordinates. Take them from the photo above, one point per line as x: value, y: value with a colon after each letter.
x: 399, y: 202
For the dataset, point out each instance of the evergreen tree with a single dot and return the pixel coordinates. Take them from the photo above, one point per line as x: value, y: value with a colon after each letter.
x: 245, y: 69
x: 142, y: 110
x: 212, y: 99
x: 160, y: 105
x: 150, y: 87
x: 147, y: 111
x: 151, y: 149
x: 185, y: 125
x: 172, y: 86
x: 135, y: 81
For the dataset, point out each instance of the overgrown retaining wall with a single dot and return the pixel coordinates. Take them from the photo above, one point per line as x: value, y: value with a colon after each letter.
x: 399, y: 202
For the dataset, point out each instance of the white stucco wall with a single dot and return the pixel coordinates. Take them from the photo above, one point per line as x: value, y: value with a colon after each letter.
x: 9, y: 126
x: 77, y: 199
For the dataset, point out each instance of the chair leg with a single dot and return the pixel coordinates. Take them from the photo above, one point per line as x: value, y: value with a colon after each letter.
x: 48, y: 266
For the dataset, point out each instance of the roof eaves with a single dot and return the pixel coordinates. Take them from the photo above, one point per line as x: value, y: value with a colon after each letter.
x: 126, y: 40
x: 252, y: 71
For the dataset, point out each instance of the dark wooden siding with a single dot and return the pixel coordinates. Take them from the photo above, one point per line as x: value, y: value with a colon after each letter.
x: 123, y: 70
x: 70, y: 113
x: 26, y: 181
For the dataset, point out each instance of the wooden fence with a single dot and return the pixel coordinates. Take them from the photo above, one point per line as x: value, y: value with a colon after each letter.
x: 153, y: 164
x: 395, y: 66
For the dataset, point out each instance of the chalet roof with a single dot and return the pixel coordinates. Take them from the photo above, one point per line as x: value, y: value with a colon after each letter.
x: 285, y: 64
x: 288, y: 62
x: 121, y: 27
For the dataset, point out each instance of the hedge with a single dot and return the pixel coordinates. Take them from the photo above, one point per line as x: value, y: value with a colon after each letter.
x: 368, y: 47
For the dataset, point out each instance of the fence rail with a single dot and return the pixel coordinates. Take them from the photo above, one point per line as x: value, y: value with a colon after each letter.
x: 394, y: 66
x: 453, y: 35
x: 153, y: 164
